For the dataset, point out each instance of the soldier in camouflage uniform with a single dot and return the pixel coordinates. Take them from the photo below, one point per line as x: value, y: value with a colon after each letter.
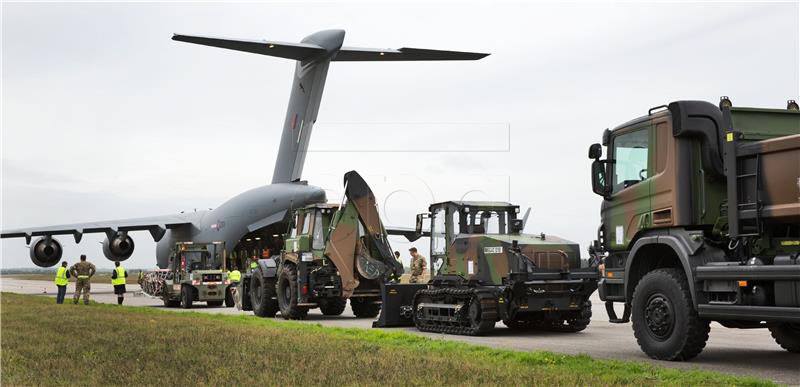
x: 418, y: 265
x: 83, y: 272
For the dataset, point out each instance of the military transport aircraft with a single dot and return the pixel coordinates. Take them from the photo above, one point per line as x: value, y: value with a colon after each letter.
x: 253, y: 220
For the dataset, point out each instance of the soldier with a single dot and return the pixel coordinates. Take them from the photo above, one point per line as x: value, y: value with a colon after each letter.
x: 418, y: 265
x: 62, y: 280
x: 83, y: 271
x: 394, y: 277
x: 118, y: 280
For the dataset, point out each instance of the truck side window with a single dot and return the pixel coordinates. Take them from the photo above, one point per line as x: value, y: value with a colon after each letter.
x: 296, y: 224
x: 630, y: 159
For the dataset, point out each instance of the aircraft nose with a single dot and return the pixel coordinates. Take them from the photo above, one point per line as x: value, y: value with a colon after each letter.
x: 316, y: 196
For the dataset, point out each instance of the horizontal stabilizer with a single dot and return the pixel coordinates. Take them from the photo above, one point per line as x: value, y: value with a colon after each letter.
x: 296, y: 51
x: 356, y: 54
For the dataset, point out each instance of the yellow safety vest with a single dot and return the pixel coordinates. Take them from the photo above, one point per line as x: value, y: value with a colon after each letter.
x: 120, y: 280
x: 61, y: 276
x: 253, y: 265
x: 235, y: 275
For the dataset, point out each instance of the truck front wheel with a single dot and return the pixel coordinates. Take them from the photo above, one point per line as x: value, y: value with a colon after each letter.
x: 665, y: 323
x: 262, y: 296
x: 787, y: 336
x: 287, y: 294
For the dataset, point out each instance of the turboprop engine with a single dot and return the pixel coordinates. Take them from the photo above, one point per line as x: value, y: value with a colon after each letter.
x: 46, y: 251
x: 119, y: 247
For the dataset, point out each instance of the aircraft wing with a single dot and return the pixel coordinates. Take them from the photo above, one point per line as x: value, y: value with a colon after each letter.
x: 157, y: 225
x: 408, y: 232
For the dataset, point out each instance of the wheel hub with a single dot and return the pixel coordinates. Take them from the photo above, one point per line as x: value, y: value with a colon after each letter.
x: 659, y: 316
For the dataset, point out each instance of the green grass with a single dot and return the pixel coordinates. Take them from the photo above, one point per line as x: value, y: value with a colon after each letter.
x: 44, y: 343
x: 99, y: 278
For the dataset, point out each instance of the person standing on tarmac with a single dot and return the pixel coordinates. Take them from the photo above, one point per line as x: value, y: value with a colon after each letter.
x: 118, y: 279
x: 418, y: 265
x: 253, y: 263
x: 83, y: 271
x: 62, y: 279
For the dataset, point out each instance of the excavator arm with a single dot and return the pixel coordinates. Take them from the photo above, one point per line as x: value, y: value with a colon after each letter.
x: 369, y: 254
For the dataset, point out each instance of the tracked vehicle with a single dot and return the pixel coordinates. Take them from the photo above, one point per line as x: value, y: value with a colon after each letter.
x: 485, y: 270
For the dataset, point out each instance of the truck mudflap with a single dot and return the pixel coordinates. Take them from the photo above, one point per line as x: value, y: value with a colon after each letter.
x: 398, y: 301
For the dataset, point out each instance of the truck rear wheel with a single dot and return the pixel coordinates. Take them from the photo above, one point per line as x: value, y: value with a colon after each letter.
x: 262, y: 294
x: 665, y: 323
x: 287, y: 294
x: 364, y: 307
x: 332, y: 306
x: 186, y: 297
x: 787, y: 336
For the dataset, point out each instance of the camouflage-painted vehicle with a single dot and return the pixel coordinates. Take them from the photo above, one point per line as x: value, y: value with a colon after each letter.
x: 332, y: 253
x: 701, y: 222
x: 195, y: 274
x: 485, y: 270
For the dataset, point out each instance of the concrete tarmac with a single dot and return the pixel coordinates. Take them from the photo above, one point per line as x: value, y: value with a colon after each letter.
x: 738, y: 351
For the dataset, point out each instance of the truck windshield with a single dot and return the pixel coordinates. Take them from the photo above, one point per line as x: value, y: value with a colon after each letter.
x: 630, y: 159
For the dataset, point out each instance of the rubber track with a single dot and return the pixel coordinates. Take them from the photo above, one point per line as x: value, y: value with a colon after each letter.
x: 463, y: 326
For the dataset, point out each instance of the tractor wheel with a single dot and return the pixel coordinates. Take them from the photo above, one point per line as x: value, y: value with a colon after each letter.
x: 364, y: 307
x: 287, y: 294
x: 665, y: 323
x: 262, y: 294
x: 214, y: 304
x: 186, y: 297
x: 332, y: 306
x: 787, y: 335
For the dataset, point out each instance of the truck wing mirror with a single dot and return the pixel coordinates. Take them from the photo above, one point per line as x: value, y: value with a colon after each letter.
x: 600, y: 184
x: 595, y: 151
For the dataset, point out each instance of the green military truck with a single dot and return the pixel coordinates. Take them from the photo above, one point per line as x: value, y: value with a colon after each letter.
x: 484, y: 270
x: 331, y: 253
x: 195, y: 273
x: 701, y: 222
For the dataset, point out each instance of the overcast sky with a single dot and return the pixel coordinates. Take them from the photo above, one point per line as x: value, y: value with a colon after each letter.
x: 105, y: 117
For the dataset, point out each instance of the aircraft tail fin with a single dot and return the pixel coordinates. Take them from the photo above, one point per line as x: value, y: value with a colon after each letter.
x: 313, y: 55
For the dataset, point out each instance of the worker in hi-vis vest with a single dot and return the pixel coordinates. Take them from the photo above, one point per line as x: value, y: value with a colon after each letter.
x: 118, y: 280
x: 62, y: 279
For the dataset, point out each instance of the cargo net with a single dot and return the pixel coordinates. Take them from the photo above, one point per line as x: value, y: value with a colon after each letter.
x: 152, y: 282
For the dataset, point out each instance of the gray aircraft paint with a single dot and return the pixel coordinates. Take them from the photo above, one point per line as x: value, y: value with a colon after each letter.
x: 270, y: 204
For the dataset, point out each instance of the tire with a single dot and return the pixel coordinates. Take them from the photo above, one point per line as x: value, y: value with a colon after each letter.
x: 186, y: 297
x: 262, y: 292
x: 171, y: 303
x: 364, y: 307
x: 332, y: 306
x: 245, y: 296
x: 787, y: 336
x: 665, y: 323
x: 287, y: 294
x: 214, y: 304
x: 229, y: 298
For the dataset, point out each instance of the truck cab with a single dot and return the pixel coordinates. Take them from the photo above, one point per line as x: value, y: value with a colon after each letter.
x: 701, y: 200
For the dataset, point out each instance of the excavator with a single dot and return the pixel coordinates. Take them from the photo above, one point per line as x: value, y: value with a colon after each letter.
x: 331, y: 253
